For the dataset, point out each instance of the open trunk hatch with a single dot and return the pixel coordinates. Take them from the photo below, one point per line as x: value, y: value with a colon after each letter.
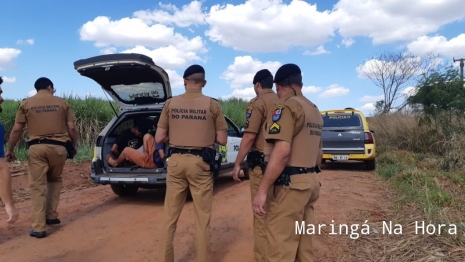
x: 343, y: 134
x: 132, y: 80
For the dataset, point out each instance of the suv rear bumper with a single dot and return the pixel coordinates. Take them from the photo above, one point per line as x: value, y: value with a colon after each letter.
x: 99, y: 177
x: 368, y: 154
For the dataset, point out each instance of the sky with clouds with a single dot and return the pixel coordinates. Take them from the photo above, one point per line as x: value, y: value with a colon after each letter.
x: 330, y: 40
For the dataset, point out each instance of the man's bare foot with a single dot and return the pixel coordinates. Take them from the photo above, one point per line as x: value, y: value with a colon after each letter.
x: 111, y: 161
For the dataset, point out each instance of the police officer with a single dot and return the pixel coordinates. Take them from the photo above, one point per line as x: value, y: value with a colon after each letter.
x: 191, y: 123
x: 253, y: 140
x: 6, y: 193
x: 292, y: 154
x: 50, y: 125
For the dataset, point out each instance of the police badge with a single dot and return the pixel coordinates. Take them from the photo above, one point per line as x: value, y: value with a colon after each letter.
x: 277, y: 113
x: 248, y: 111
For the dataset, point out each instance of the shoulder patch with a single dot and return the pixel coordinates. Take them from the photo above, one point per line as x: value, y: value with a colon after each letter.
x: 275, y: 128
x: 248, y: 111
x: 277, y: 113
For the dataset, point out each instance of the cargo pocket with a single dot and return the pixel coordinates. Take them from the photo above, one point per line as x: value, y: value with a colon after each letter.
x: 61, y: 151
x: 301, y: 181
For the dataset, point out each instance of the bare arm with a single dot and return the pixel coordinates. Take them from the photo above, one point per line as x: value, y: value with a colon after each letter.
x: 319, y: 157
x: 15, y: 134
x: 244, y: 148
x: 161, y: 152
x: 72, y: 132
x: 278, y: 161
x: 221, y: 137
x: 6, y: 192
x: 161, y: 136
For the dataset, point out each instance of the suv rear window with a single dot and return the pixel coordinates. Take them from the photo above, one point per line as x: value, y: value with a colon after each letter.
x: 341, y: 120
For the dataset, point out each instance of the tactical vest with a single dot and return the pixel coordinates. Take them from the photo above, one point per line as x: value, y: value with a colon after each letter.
x: 191, y: 122
x: 305, y: 144
x: 46, y: 118
x: 269, y: 99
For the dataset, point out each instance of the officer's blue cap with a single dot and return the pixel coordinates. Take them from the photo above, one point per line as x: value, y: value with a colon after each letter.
x: 42, y: 83
x: 260, y: 75
x: 192, y: 70
x: 286, y: 71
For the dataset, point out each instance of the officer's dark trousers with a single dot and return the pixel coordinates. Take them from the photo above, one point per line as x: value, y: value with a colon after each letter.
x: 45, y: 164
x: 187, y: 172
x: 286, y: 207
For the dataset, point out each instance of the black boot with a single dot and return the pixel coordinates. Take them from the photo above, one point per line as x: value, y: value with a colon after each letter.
x: 37, y: 234
x: 52, y: 221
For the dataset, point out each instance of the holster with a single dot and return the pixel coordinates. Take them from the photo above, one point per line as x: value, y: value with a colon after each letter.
x: 256, y: 158
x: 285, y: 177
x: 213, y: 158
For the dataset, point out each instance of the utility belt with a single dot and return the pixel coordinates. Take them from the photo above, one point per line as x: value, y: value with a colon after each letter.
x: 285, y: 178
x: 256, y: 158
x: 68, y: 145
x: 208, y: 155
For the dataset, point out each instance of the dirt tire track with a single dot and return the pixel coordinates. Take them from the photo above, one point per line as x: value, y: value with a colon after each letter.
x: 97, y: 225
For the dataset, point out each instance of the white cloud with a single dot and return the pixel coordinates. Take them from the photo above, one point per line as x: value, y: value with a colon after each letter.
x: 367, y: 108
x: 375, y: 66
x: 244, y: 93
x: 439, y: 44
x: 186, y: 16
x: 319, y: 51
x: 28, y: 41
x: 371, y: 98
x: 7, y: 79
x: 107, y: 51
x: 408, y: 91
x: 176, y: 80
x: 269, y: 25
x: 334, y: 91
x: 31, y: 93
x: 311, y: 89
x: 244, y: 68
x: 167, y: 48
x: 390, y: 21
x: 6, y: 57
x: 348, y: 41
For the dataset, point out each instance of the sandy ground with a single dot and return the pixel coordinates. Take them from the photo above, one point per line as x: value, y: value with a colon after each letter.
x: 97, y: 225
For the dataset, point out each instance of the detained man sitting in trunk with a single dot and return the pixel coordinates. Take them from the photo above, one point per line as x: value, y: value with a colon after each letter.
x: 152, y: 155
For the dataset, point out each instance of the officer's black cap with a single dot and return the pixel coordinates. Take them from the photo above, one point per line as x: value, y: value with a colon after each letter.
x: 286, y: 71
x: 192, y: 70
x: 42, y: 83
x: 260, y: 75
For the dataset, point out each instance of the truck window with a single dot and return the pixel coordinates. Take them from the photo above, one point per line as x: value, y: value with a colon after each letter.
x: 341, y: 120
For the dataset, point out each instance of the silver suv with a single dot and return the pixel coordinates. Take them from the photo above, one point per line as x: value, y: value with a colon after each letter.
x: 140, y: 88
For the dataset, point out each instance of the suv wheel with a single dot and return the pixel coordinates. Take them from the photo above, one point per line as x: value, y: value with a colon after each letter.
x: 124, y: 190
x: 370, y: 164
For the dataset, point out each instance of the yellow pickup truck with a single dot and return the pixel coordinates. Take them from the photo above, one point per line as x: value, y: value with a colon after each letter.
x: 347, y: 136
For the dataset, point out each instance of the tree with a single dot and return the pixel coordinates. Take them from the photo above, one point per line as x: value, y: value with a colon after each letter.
x: 441, y: 99
x: 394, y: 71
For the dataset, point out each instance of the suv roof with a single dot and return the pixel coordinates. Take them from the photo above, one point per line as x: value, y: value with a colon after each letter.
x: 132, y: 80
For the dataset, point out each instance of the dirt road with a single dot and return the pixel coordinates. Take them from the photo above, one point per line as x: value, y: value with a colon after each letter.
x: 97, y: 225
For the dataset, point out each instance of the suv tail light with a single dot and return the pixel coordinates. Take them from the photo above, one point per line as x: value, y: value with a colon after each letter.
x: 368, y: 138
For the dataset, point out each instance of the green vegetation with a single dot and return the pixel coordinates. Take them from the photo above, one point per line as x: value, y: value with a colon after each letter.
x: 93, y: 114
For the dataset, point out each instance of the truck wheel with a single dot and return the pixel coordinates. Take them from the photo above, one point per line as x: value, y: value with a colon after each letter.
x: 370, y: 164
x: 246, y: 173
x: 124, y: 190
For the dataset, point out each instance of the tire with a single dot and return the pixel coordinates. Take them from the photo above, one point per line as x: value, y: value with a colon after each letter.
x: 124, y: 190
x: 246, y: 173
x: 370, y: 164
